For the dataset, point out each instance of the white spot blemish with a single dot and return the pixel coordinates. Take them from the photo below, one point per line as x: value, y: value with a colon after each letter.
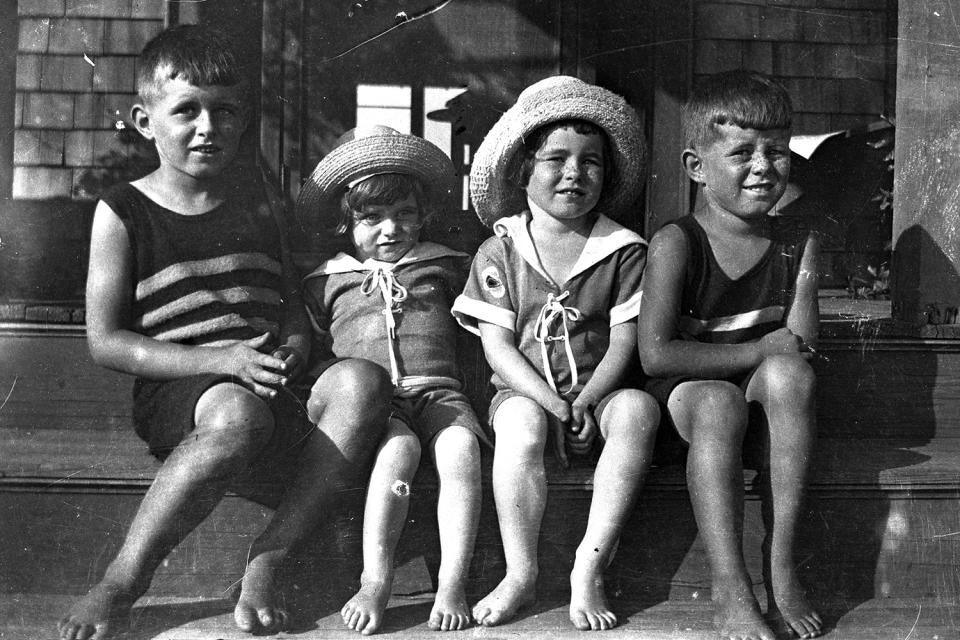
x: 89, y: 61
x: 400, y: 488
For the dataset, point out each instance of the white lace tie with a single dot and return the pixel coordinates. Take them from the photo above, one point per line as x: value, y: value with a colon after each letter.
x: 393, y: 294
x: 550, y: 313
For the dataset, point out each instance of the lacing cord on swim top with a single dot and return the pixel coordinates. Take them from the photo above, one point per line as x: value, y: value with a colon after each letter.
x: 552, y: 311
x: 393, y: 294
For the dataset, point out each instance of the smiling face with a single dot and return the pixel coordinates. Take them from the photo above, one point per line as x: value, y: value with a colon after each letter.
x: 743, y: 171
x: 386, y: 232
x: 196, y: 129
x: 567, y: 173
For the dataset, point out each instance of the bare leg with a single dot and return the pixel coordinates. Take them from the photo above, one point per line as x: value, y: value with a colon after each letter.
x: 712, y: 417
x: 784, y: 386
x: 349, y: 405
x: 232, y: 425
x: 520, y: 493
x: 629, y: 426
x: 456, y: 456
x: 388, y: 500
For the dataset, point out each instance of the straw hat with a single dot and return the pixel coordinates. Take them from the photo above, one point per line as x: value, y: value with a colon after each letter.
x: 494, y: 192
x: 364, y: 152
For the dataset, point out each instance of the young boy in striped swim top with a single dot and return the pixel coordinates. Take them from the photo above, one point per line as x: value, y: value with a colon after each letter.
x: 190, y: 290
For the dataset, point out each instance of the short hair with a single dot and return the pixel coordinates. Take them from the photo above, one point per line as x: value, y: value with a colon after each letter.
x: 535, y: 139
x: 747, y: 99
x: 382, y: 189
x: 199, y: 54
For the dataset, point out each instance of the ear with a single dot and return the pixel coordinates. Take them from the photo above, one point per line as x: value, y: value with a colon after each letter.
x: 141, y: 120
x: 692, y: 165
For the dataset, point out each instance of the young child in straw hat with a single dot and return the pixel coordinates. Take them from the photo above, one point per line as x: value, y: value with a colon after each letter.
x: 388, y: 300
x: 554, y: 296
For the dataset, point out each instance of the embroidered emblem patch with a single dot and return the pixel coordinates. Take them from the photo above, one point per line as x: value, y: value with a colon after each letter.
x: 492, y: 282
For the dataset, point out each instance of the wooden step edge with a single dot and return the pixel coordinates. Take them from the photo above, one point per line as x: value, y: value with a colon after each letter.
x: 120, y: 485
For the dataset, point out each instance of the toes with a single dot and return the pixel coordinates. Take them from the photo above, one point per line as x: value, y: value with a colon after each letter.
x: 445, y: 622
x: 356, y: 621
x: 580, y: 621
x: 273, y: 619
x: 66, y: 629
x: 435, y: 622
x: 245, y: 618
x: 372, y: 623
x: 480, y: 615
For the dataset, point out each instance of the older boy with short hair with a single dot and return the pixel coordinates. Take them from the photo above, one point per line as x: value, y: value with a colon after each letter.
x: 728, y: 320
x: 190, y: 290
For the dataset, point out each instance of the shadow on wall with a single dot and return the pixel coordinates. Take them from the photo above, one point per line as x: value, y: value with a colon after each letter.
x: 926, y: 285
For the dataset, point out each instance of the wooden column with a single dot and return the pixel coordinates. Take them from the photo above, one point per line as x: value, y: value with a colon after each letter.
x: 926, y: 222
x: 668, y: 190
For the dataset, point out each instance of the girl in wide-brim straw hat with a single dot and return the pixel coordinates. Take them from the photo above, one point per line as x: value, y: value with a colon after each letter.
x: 363, y: 152
x: 494, y: 189
x: 554, y: 296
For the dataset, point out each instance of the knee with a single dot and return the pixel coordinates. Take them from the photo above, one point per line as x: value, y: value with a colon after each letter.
x: 787, y: 377
x: 232, y: 421
x: 404, y: 447
x: 456, y: 453
x: 520, y: 426
x: 632, y: 414
x: 721, y: 411
x: 355, y: 389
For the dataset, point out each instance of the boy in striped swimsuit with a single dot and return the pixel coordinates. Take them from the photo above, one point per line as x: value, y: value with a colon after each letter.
x: 190, y: 290
x: 728, y: 321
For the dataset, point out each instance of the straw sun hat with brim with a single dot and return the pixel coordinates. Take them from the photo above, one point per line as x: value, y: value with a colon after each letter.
x: 493, y: 178
x: 364, y: 152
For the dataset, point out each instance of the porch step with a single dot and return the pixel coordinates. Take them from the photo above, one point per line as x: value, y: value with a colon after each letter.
x: 32, y: 617
x: 882, y: 521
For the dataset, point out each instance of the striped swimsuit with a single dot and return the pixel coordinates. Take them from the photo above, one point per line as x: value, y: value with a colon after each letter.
x: 210, y: 279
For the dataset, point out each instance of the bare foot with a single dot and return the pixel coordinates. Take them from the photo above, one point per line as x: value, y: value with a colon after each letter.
x: 504, y: 601
x: 100, y: 614
x: 364, y: 611
x: 791, y: 605
x: 258, y: 608
x: 737, y: 616
x: 589, y: 610
x: 450, y: 610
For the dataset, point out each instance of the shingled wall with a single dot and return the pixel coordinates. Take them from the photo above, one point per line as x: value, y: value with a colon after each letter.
x: 75, y: 83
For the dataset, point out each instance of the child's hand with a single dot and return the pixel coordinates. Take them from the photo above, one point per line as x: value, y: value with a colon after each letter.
x: 293, y: 361
x: 257, y: 371
x: 783, y: 341
x: 558, y: 417
x: 583, y: 427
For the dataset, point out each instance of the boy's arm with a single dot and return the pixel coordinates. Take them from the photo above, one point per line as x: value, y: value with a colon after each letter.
x: 803, y: 319
x: 110, y: 288
x: 662, y: 353
x: 606, y: 378
x: 515, y: 370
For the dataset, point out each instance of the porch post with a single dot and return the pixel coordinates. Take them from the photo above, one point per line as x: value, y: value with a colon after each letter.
x: 926, y: 220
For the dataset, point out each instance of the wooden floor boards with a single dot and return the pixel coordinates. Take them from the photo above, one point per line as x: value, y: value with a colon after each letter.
x: 32, y: 617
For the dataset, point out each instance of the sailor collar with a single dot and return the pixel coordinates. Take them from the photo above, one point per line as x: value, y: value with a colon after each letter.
x: 421, y: 252
x: 606, y: 238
